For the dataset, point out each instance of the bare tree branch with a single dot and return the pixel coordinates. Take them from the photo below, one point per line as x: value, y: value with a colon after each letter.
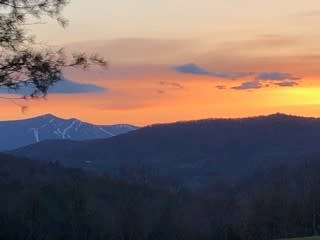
x: 21, y: 61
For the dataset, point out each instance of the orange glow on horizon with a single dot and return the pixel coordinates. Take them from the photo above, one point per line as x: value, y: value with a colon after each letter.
x: 143, y: 100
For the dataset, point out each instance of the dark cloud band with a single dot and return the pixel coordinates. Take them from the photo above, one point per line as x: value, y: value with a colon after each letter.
x: 64, y: 86
x: 191, y: 68
x: 281, y: 79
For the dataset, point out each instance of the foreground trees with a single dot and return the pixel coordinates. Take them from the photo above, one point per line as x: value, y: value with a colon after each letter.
x: 45, y: 201
x: 22, y: 60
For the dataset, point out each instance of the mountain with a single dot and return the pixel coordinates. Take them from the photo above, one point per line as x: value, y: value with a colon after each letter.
x: 193, y: 154
x: 15, y: 134
x: 47, y: 201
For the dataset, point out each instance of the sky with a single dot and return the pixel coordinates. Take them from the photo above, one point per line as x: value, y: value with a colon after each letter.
x: 174, y: 60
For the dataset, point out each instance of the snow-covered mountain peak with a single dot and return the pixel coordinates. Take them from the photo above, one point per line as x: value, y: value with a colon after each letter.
x: 20, y: 133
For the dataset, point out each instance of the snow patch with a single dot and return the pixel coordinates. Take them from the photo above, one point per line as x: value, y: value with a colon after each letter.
x: 107, y: 132
x: 36, y: 134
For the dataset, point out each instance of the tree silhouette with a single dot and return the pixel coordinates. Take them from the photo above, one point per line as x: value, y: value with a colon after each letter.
x: 22, y: 60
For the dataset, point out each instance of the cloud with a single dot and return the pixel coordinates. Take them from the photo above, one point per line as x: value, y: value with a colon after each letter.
x: 252, y: 50
x: 172, y: 84
x: 221, y: 87
x: 248, y: 85
x: 64, y: 86
x: 166, y: 85
x: 287, y: 84
x: 281, y: 79
x: 68, y: 86
x: 233, y: 75
x: 261, y: 41
x: 311, y: 13
x: 192, y: 68
x: 230, y: 75
x: 276, y: 76
x: 138, y: 50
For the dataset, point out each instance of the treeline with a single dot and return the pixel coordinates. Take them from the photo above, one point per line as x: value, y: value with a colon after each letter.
x: 41, y: 201
x: 281, y: 202
x: 46, y: 202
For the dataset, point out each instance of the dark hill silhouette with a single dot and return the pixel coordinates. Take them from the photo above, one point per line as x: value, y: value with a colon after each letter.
x: 193, y: 153
x: 46, y: 201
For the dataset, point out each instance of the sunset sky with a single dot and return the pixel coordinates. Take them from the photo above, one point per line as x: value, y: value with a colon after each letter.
x: 176, y: 60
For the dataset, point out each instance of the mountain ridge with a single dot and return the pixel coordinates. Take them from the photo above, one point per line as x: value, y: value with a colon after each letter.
x: 192, y: 153
x: 23, y: 132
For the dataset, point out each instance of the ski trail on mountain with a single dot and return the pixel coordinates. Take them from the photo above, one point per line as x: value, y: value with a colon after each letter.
x: 65, y: 131
x: 36, y: 134
x: 107, y: 132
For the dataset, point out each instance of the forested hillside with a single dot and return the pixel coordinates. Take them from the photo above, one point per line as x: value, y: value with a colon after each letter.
x: 191, y: 154
x: 46, y: 201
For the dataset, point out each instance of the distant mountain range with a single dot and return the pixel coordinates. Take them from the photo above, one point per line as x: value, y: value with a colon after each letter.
x: 19, y: 133
x: 192, y: 154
